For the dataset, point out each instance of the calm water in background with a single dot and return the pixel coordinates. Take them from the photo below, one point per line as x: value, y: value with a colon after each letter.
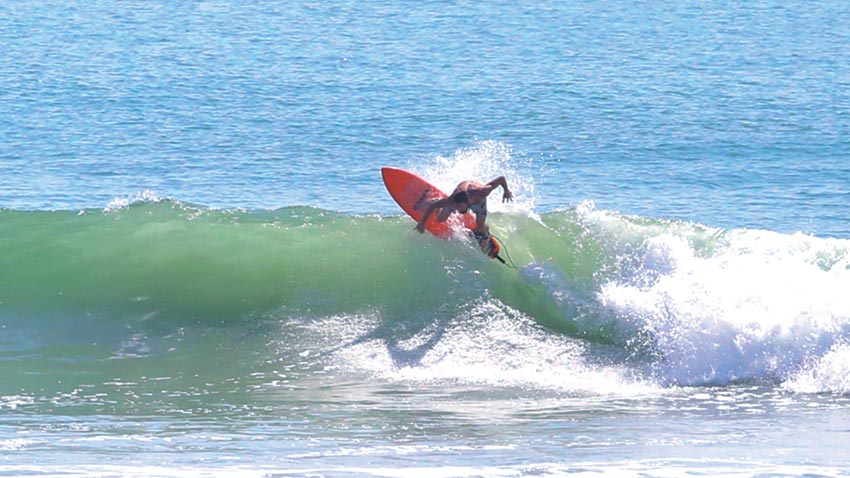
x: 203, y: 274
x: 722, y: 113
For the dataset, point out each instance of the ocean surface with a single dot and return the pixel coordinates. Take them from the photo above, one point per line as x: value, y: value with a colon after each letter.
x: 202, y: 274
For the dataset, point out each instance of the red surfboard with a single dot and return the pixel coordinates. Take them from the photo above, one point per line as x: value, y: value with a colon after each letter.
x: 413, y: 194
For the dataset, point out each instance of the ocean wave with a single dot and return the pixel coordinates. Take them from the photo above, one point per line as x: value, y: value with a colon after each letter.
x: 675, y: 303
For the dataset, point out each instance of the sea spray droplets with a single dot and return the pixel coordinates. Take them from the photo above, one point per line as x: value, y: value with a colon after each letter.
x: 483, y: 162
x: 829, y: 373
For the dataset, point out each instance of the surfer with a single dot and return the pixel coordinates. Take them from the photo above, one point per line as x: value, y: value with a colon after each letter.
x: 468, y: 196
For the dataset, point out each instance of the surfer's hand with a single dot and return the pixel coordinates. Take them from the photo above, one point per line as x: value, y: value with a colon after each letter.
x: 507, y: 196
x: 420, y: 227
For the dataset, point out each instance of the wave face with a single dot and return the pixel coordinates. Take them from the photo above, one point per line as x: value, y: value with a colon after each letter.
x: 597, y: 297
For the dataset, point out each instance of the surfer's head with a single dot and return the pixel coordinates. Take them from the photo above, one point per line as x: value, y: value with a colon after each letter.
x: 461, y: 200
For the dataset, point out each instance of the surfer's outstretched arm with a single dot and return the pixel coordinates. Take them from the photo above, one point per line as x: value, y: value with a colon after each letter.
x: 500, y: 181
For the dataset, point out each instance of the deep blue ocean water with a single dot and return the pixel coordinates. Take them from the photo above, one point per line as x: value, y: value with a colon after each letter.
x: 201, y: 273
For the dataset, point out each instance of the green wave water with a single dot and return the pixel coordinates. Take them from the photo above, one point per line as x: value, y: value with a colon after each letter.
x: 202, y: 265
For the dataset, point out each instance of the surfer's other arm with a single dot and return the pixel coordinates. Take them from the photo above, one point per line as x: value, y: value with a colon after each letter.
x: 440, y: 203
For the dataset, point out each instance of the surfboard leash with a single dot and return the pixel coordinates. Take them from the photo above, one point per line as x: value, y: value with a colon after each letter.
x: 512, y: 265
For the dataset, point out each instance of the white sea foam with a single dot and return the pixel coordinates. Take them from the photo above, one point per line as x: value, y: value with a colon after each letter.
x: 828, y: 373
x: 146, y: 196
x: 12, y: 402
x: 666, y: 468
x: 753, y: 305
x: 492, y: 345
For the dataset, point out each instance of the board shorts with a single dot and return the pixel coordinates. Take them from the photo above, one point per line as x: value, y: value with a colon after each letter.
x: 479, y: 209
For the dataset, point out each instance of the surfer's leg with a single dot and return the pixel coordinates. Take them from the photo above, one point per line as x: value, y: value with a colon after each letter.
x: 482, y: 232
x: 481, y: 223
x: 484, y: 240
